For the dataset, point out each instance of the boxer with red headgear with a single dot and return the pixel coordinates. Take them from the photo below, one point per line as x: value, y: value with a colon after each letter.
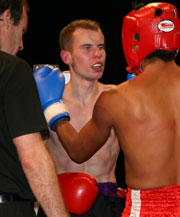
x: 144, y: 113
x: 153, y: 27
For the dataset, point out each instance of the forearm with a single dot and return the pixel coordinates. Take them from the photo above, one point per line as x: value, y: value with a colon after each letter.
x: 69, y: 138
x: 48, y: 193
x: 41, y: 174
x: 80, y: 146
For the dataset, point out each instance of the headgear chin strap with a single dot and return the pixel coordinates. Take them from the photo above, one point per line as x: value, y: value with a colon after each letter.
x: 155, y: 26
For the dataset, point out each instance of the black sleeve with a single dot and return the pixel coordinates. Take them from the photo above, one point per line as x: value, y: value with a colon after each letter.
x: 22, y: 104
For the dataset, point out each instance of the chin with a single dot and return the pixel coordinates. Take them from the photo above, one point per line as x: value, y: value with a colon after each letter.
x: 99, y: 75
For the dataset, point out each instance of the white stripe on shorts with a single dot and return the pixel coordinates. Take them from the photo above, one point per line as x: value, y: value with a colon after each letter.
x: 136, y: 203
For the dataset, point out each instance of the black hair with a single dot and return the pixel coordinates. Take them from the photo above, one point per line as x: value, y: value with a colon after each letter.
x: 163, y: 55
x: 137, y: 5
x: 15, y: 7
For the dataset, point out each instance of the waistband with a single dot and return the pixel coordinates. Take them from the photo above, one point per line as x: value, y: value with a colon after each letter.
x: 163, y: 201
x: 108, y: 188
x: 167, y: 192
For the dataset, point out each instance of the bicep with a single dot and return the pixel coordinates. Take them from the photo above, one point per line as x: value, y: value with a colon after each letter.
x: 81, y: 146
x: 29, y: 146
x: 23, y: 111
x: 97, y: 130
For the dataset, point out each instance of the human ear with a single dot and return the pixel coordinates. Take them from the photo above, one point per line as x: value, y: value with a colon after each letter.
x: 66, y: 57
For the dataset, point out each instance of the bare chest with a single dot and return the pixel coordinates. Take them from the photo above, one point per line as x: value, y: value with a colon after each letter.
x: 80, y: 115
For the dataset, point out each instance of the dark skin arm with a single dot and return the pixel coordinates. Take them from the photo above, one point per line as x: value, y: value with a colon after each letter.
x: 81, y: 146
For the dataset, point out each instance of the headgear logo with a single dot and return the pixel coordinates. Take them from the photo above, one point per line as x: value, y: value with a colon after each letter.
x: 166, y: 26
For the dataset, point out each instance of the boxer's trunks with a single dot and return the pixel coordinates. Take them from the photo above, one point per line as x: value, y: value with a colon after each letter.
x: 107, y: 203
x: 164, y: 202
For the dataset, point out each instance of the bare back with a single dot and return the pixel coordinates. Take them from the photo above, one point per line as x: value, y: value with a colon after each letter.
x: 102, y: 165
x: 147, y: 122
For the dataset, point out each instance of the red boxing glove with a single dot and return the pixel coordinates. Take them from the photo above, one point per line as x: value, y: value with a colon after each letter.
x: 79, y: 191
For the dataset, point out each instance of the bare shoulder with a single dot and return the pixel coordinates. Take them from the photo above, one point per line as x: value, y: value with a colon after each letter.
x: 113, y: 88
x: 114, y: 95
x: 108, y: 92
x: 111, y: 104
x: 104, y: 87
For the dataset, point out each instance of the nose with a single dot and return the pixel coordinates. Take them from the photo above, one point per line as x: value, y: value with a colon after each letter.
x: 97, y: 52
x: 21, y: 46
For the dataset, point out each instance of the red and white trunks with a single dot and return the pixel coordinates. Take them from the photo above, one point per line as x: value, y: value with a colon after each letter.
x: 159, y: 202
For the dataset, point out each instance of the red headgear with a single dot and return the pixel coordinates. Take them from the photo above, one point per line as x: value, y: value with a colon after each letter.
x: 152, y: 27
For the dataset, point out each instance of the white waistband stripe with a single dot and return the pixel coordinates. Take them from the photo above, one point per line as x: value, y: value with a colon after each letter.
x: 136, y: 203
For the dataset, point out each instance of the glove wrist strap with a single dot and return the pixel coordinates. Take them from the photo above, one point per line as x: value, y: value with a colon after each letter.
x: 54, y: 110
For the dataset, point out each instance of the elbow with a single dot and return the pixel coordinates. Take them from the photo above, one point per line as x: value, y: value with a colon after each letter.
x: 28, y: 165
x: 77, y: 158
x: 78, y: 161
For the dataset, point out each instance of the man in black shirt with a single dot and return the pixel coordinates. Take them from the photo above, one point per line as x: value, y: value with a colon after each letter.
x: 26, y: 168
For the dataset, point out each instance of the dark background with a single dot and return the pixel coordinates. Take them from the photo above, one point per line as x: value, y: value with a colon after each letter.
x: 47, y: 18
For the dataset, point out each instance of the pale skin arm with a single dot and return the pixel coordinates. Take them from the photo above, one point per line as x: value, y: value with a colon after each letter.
x: 41, y: 174
x: 81, y: 146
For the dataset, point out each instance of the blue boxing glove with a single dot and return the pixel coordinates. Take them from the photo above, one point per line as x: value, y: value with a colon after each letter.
x: 130, y: 76
x: 50, y: 83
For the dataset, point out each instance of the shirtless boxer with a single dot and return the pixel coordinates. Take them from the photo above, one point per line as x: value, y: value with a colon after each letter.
x: 83, y: 50
x: 144, y: 113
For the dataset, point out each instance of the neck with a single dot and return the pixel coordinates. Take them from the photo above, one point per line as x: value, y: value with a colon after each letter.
x: 148, y: 65
x: 82, y: 91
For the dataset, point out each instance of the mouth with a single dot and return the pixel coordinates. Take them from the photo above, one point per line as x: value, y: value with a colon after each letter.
x: 97, y: 65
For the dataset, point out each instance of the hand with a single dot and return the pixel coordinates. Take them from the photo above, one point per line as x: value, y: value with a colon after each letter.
x: 50, y: 83
x: 79, y: 191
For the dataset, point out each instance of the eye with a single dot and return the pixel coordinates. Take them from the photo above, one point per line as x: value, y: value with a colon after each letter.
x: 87, y: 47
x: 101, y: 47
x: 24, y: 30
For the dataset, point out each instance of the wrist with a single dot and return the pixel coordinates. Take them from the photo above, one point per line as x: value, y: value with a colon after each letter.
x: 55, y: 113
